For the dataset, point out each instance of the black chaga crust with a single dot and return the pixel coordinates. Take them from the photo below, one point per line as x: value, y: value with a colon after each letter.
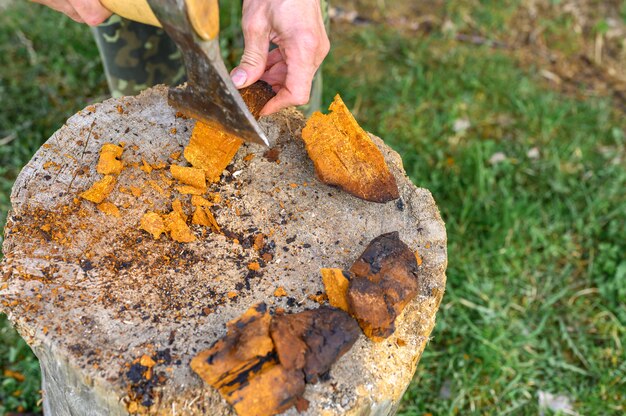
x: 262, y: 364
x: 385, y: 280
x: 313, y: 340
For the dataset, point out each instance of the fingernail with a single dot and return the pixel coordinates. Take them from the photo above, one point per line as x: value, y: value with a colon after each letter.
x: 239, y: 77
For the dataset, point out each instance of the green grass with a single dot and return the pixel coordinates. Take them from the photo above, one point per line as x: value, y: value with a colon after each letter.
x: 536, y: 278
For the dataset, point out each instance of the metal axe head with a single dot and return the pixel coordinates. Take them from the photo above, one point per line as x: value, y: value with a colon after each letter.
x: 210, y: 95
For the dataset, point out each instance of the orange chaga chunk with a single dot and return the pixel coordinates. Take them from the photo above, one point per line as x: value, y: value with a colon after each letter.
x: 345, y: 156
x: 156, y: 187
x: 336, y: 287
x: 189, y: 176
x: 153, y: 223
x: 99, y: 190
x: 243, y: 368
x: 211, y: 149
x: 247, y: 340
x: 136, y: 191
x: 177, y: 206
x: 145, y: 166
x: 109, y: 209
x: 179, y: 231
x: 190, y: 190
x: 109, y: 163
x: 202, y: 216
x: 198, y: 201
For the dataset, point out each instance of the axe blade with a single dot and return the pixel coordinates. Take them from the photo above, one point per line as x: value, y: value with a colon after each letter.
x: 210, y: 95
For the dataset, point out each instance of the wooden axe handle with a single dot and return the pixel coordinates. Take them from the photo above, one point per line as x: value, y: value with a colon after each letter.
x: 203, y: 14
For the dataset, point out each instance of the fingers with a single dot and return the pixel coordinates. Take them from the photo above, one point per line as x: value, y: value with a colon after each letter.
x: 62, y: 6
x: 295, y: 91
x: 90, y: 11
x: 275, y: 76
x: 273, y: 58
x: 303, y: 55
x: 256, y: 49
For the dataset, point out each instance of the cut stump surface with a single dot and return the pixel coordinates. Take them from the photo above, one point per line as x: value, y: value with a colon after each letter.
x: 116, y: 316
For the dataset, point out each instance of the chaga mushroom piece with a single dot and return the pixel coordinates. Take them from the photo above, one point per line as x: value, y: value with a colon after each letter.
x: 100, y: 189
x: 211, y: 149
x: 243, y: 367
x: 256, y: 96
x: 272, y: 390
x: 153, y: 223
x: 189, y: 176
x: 178, y: 229
x: 313, y: 340
x: 109, y: 163
x: 336, y: 282
x: 345, y: 156
x: 385, y: 280
x: 109, y: 209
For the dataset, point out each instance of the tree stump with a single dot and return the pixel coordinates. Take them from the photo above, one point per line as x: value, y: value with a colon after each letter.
x: 92, y: 293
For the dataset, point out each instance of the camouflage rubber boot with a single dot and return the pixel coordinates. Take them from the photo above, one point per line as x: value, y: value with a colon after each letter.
x: 137, y: 56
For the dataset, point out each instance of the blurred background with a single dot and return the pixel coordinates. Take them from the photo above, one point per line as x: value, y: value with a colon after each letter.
x: 511, y: 112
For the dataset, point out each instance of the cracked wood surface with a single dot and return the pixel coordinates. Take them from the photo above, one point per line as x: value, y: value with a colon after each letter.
x: 92, y: 293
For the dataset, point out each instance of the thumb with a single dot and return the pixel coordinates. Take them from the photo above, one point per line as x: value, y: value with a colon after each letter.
x: 252, y: 65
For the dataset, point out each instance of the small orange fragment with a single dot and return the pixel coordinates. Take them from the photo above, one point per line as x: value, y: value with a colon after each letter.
x: 135, y: 191
x: 153, y: 223
x: 109, y: 163
x: 189, y: 176
x: 198, y: 201
x: 280, y: 292
x: 336, y: 287
x: 145, y: 166
x: 259, y: 242
x: 99, y: 190
x: 156, y: 187
x: 177, y: 206
x: 256, y: 96
x: 200, y: 217
x: 190, y: 190
x: 132, y: 407
x: 254, y: 266
x: 109, y: 209
x: 418, y: 258
x: 147, y: 361
x: 179, y: 231
x: 212, y: 221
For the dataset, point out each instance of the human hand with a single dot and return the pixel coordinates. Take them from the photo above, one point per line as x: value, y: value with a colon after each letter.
x: 82, y: 11
x: 297, y: 28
